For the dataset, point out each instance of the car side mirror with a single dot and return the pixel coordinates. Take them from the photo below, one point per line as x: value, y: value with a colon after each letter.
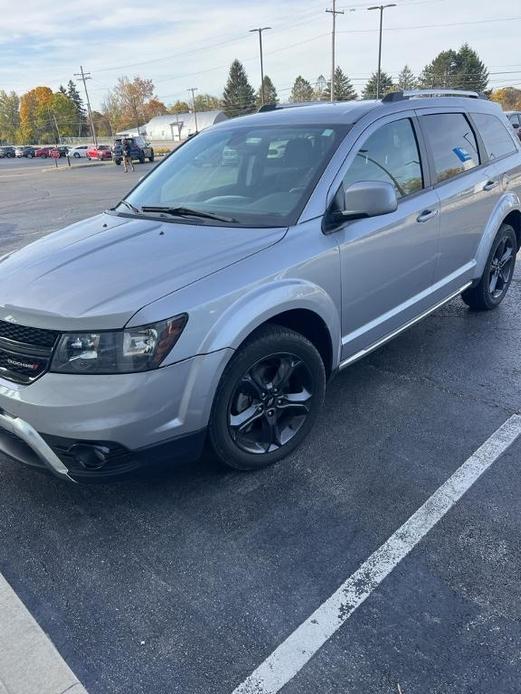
x: 368, y: 199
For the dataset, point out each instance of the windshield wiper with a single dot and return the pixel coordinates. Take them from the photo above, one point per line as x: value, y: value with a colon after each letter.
x: 130, y: 206
x: 187, y: 212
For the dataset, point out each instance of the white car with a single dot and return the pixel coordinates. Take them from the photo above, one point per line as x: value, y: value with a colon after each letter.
x: 79, y: 151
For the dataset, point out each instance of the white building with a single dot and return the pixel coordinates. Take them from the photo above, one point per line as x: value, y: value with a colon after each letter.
x: 180, y: 125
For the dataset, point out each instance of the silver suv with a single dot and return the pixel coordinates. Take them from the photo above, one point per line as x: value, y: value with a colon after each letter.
x: 213, y: 303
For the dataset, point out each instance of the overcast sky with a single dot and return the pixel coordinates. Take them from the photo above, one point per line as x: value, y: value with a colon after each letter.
x: 185, y: 44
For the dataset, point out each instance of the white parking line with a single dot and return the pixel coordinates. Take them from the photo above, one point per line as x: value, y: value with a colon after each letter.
x: 300, y: 646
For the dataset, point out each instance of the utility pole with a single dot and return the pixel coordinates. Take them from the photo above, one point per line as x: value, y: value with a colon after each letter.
x: 379, y: 76
x: 334, y: 13
x: 193, y: 90
x: 84, y: 76
x: 260, y: 30
x: 57, y: 129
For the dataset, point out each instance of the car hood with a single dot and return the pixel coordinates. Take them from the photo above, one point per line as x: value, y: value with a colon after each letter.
x: 97, y: 273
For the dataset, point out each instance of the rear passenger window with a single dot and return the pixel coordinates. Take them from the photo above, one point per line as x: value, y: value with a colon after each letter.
x: 390, y: 154
x: 496, y: 138
x: 453, y: 144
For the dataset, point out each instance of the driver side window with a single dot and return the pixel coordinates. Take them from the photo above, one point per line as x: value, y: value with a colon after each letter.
x: 390, y: 154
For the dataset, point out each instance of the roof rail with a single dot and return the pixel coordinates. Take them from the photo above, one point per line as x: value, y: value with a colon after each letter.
x: 275, y: 107
x: 418, y: 93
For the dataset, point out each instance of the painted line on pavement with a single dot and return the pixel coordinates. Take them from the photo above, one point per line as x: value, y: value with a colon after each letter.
x: 29, y: 662
x: 300, y: 646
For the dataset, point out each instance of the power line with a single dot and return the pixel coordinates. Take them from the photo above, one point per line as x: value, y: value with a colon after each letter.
x: 333, y: 12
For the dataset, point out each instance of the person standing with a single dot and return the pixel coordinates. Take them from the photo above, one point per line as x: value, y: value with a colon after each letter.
x: 127, y: 155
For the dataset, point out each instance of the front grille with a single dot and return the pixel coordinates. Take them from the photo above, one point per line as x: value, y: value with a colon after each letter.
x: 29, y: 336
x: 25, y: 353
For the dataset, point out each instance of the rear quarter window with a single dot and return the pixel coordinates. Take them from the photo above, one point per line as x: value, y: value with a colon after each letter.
x: 496, y: 137
x: 452, y: 142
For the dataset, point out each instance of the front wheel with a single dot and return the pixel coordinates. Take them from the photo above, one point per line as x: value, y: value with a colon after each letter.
x: 498, y: 273
x: 268, y: 399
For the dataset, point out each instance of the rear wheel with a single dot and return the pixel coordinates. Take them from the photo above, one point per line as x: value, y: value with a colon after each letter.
x: 151, y: 157
x: 498, y: 273
x: 141, y: 158
x: 268, y: 399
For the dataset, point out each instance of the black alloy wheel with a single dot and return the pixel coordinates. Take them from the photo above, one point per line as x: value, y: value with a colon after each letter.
x: 268, y: 398
x: 491, y: 289
x: 270, y: 403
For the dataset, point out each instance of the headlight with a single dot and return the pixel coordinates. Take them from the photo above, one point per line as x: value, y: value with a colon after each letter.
x: 121, y: 351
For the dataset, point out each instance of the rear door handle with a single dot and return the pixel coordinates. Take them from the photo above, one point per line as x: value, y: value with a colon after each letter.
x: 490, y: 185
x: 426, y: 215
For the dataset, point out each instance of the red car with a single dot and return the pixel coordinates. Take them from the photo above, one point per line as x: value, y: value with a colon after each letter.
x: 100, y: 152
x: 43, y: 152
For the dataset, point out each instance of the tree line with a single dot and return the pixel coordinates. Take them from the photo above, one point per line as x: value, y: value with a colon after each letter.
x: 44, y: 116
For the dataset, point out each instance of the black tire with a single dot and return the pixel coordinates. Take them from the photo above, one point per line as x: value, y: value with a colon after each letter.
x: 288, y: 359
x: 117, y: 162
x: 151, y: 157
x: 76, y: 155
x: 141, y: 158
x: 497, y: 276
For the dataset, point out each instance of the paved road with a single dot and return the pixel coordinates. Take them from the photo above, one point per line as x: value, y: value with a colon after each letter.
x: 185, y: 582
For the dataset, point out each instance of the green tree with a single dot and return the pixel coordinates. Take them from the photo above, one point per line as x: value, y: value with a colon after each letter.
x: 386, y: 85
x: 179, y: 107
x: 320, y: 91
x: 207, y: 102
x: 301, y: 90
x: 238, y: 96
x: 270, y: 93
x: 344, y: 90
x: 81, y: 114
x: 9, y: 116
x: 64, y: 116
x: 460, y: 69
x: 406, y: 78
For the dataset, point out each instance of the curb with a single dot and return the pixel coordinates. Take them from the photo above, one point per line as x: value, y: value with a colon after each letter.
x: 88, y: 165
x: 29, y: 662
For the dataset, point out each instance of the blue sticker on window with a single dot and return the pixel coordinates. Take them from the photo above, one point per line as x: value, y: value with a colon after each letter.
x: 462, y: 154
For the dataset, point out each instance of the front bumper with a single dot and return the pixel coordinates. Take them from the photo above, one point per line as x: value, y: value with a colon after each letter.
x: 137, y: 417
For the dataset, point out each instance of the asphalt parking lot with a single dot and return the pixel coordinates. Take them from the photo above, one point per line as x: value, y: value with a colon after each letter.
x: 185, y: 581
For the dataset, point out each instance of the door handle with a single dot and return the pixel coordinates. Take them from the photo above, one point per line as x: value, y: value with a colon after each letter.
x: 426, y: 215
x: 490, y: 185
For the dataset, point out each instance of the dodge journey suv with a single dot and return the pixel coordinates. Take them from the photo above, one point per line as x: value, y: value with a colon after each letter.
x: 212, y: 304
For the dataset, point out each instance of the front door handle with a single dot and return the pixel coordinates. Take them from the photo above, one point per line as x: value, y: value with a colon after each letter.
x: 490, y: 185
x: 426, y: 215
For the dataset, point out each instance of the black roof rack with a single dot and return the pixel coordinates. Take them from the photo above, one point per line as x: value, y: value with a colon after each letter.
x: 418, y: 93
x: 276, y: 107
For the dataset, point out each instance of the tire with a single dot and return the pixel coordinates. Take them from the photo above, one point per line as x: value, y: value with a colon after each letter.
x: 151, y: 157
x: 29, y: 156
x: 117, y: 162
x: 259, y: 378
x: 497, y: 275
x: 76, y: 155
x: 142, y: 159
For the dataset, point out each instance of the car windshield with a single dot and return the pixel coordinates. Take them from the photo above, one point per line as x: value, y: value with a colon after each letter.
x: 257, y: 176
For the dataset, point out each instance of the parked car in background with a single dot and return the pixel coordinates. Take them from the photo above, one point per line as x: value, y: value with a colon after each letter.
x: 78, y: 151
x: 515, y: 119
x: 45, y: 152
x: 7, y: 151
x: 101, y: 152
x: 140, y: 149
x: 24, y: 151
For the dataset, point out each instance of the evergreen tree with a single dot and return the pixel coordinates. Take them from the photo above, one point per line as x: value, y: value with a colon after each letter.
x: 238, y: 96
x: 343, y: 88
x: 62, y: 90
x: 270, y: 93
x: 460, y: 69
x: 406, y: 78
x: 386, y: 85
x: 76, y: 99
x: 301, y: 91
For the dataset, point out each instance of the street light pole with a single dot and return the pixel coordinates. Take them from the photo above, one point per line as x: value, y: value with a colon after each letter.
x: 379, y: 75
x: 334, y: 13
x: 260, y: 30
